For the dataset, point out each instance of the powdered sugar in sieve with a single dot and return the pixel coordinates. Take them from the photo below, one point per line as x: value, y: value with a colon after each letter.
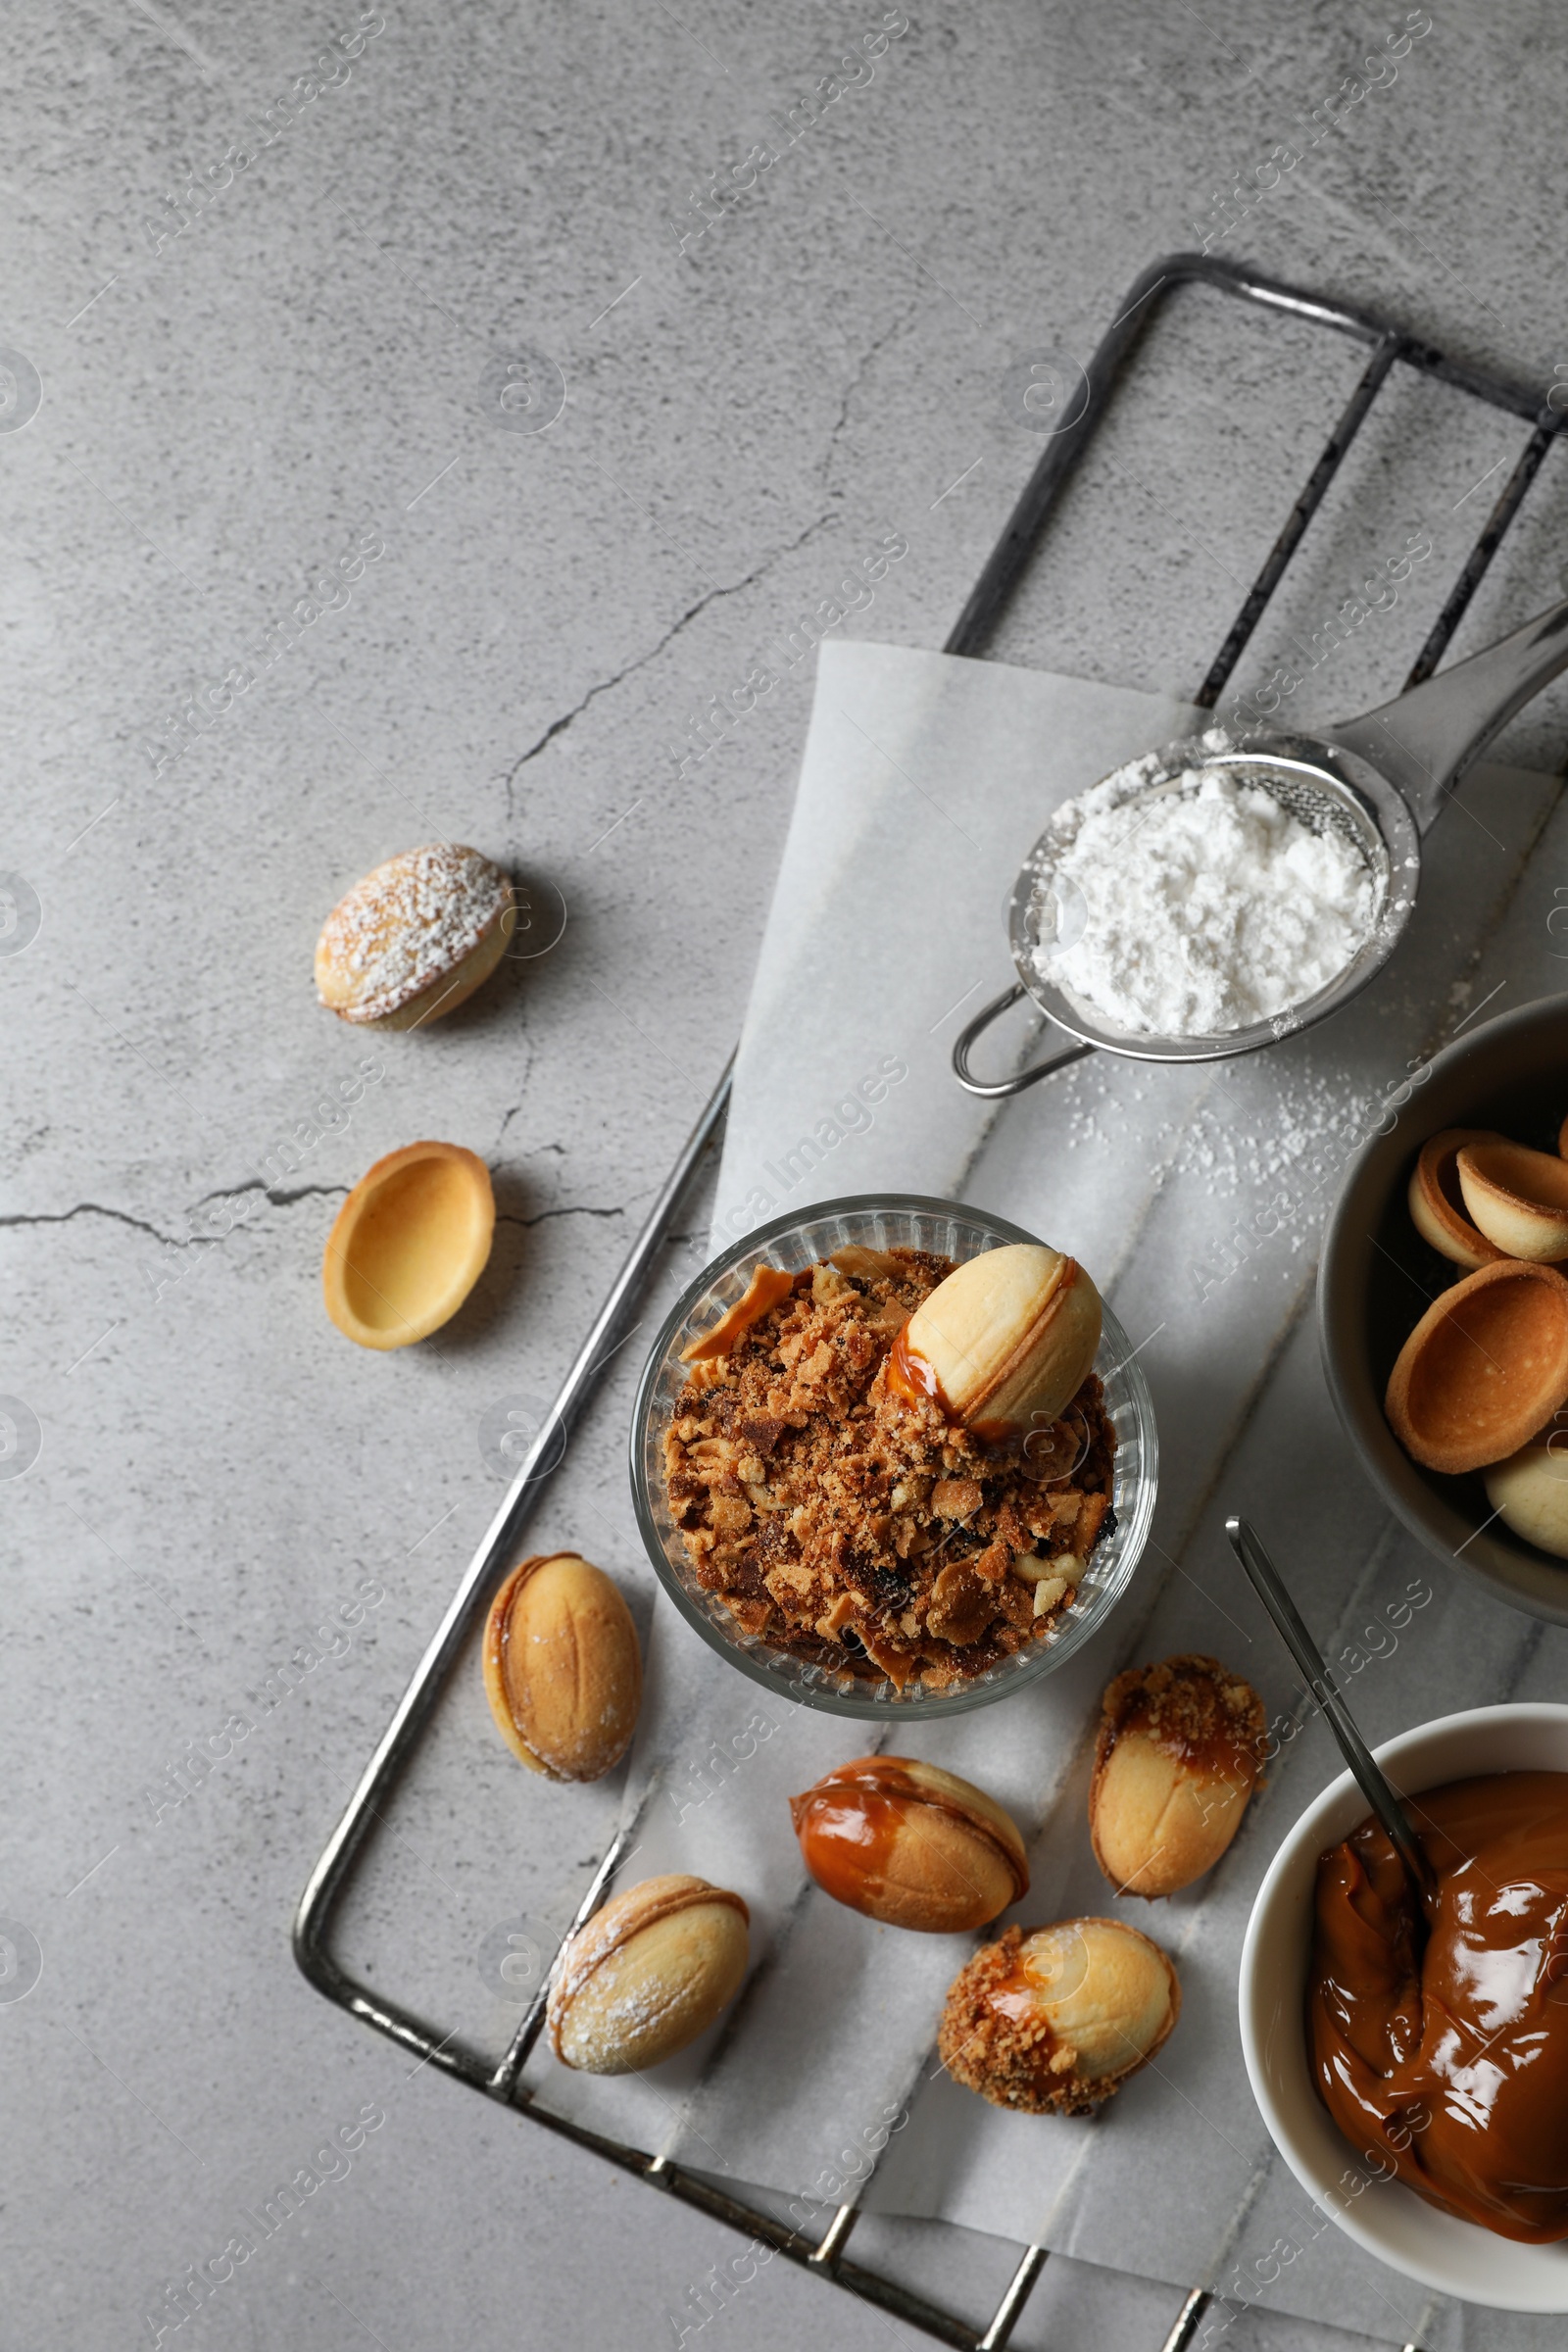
x: 1196, y: 899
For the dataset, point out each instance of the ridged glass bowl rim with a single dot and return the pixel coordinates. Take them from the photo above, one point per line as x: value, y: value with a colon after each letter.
x: 775, y: 1669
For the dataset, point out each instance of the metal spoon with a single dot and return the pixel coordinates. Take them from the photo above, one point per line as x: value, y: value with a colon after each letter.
x: 1379, y: 1792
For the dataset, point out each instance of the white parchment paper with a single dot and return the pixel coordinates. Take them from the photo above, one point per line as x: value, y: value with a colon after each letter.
x: 1195, y: 1197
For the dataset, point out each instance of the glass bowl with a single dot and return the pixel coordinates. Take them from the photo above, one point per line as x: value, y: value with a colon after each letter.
x: 882, y: 1221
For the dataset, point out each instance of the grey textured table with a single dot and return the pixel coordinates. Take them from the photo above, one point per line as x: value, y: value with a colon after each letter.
x: 269, y: 317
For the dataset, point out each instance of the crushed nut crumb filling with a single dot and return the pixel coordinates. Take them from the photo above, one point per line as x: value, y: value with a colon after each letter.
x: 1010, y: 2055
x: 861, y: 1532
x: 1192, y: 1706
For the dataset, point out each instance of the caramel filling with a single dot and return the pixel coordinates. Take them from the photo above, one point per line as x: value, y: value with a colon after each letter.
x: 768, y: 1286
x: 911, y: 1377
x: 848, y: 1827
x: 1439, y: 2042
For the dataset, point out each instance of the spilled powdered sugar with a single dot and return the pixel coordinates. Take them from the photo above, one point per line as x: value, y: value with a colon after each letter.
x: 1196, y: 911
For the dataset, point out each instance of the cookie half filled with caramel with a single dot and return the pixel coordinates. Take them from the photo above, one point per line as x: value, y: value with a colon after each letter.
x: 909, y: 1845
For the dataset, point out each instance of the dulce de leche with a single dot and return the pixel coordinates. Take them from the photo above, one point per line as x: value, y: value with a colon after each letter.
x: 1439, y: 2039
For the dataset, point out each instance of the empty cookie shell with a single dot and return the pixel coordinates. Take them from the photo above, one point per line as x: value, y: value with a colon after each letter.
x: 1528, y: 1491
x: 415, y: 937
x: 1483, y: 1369
x: 1518, y: 1199
x: 1437, y: 1205
x: 409, y: 1245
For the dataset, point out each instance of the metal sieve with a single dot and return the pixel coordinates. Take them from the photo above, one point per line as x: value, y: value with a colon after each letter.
x: 1378, y: 782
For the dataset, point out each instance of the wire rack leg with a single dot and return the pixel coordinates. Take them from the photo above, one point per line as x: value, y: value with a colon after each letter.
x: 1186, y: 2319
x: 1020, y: 2286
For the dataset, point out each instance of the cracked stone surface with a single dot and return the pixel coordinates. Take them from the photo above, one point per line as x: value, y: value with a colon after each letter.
x: 243, y: 391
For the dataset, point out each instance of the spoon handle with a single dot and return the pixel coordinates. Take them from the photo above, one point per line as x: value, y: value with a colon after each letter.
x: 1269, y: 1587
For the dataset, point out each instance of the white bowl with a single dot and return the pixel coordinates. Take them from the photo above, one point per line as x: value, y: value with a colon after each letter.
x: 1452, y: 2257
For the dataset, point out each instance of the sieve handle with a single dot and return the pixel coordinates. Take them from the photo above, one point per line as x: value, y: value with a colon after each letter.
x: 997, y: 1090
x: 1424, y: 741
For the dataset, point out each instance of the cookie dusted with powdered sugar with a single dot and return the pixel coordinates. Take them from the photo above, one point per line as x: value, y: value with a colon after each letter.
x: 415, y: 937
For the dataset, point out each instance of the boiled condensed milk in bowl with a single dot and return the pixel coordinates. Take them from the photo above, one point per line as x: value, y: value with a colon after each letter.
x: 1411, y: 2062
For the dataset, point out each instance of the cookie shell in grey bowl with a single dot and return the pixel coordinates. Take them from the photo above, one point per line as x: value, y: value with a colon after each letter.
x: 882, y: 1221
x: 1378, y: 1277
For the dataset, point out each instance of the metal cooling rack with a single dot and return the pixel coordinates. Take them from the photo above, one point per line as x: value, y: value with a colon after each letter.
x: 1388, y: 346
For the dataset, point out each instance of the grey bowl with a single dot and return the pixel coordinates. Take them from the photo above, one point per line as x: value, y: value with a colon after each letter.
x: 1378, y: 1276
